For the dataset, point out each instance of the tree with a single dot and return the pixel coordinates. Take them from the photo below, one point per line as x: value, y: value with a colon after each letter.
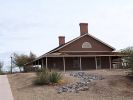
x: 129, y: 58
x: 22, y: 59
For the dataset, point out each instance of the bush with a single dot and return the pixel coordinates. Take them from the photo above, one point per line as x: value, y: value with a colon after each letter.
x: 55, y: 77
x: 44, y: 76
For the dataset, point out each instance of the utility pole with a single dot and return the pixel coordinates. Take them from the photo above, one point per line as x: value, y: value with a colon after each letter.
x: 11, y: 64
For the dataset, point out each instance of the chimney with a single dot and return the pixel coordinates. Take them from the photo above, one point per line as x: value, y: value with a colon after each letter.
x: 83, y: 28
x: 61, y: 40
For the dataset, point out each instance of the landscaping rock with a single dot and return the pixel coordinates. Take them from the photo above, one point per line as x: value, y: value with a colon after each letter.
x: 82, y: 85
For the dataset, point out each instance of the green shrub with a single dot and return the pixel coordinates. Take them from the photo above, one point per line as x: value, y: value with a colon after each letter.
x: 42, y: 77
x: 55, y: 77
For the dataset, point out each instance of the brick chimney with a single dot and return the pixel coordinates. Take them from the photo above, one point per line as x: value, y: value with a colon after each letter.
x: 83, y: 28
x: 61, y: 40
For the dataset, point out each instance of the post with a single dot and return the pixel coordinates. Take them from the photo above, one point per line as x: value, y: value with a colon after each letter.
x: 42, y: 63
x: 80, y: 63
x: 64, y: 64
x: 11, y: 64
x: 96, y: 62
x: 110, y: 62
x: 46, y: 63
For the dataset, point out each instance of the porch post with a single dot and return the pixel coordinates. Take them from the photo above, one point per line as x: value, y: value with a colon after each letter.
x: 42, y: 63
x: 96, y: 62
x: 64, y: 64
x: 80, y: 62
x: 46, y: 63
x: 38, y: 64
x: 110, y: 63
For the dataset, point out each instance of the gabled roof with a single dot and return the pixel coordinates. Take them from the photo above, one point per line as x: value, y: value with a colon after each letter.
x: 64, y: 45
x: 71, y: 41
x: 60, y: 47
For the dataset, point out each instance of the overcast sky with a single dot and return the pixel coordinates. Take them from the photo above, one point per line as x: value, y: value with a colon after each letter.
x: 34, y: 25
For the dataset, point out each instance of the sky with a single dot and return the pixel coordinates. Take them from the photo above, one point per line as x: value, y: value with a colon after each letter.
x: 34, y: 25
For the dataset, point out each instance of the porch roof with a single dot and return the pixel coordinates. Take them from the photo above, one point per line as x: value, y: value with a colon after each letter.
x: 78, y: 55
x: 66, y: 55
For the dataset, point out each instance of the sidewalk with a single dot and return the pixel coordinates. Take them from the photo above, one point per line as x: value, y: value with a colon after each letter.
x: 5, y: 90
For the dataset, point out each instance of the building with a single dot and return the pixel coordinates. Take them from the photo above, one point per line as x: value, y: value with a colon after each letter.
x: 82, y: 53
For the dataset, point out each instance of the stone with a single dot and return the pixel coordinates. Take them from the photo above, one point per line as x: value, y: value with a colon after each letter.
x: 82, y: 85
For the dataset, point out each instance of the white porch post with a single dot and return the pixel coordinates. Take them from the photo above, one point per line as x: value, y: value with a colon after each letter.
x: 110, y: 63
x: 46, y: 63
x: 64, y: 64
x: 80, y: 62
x: 96, y: 62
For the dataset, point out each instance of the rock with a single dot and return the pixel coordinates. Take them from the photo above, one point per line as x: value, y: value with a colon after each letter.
x: 59, y: 90
x: 85, y: 88
x: 82, y: 85
x: 76, y: 91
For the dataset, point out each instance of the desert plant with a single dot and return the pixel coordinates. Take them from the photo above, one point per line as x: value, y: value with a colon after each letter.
x: 42, y: 77
x: 55, y: 77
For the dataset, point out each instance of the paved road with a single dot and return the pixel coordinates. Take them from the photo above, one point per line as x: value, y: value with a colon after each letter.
x: 5, y: 90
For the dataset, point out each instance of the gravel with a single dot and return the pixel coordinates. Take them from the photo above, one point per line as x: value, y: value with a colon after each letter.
x: 82, y: 85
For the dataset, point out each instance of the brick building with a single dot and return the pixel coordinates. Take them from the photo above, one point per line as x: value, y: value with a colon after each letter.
x: 82, y: 53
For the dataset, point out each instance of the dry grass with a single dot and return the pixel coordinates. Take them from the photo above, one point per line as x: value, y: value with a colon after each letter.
x: 115, y: 86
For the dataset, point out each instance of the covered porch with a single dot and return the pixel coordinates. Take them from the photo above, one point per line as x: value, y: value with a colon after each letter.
x: 75, y: 62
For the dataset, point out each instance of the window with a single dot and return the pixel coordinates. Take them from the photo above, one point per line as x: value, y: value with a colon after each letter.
x: 86, y: 45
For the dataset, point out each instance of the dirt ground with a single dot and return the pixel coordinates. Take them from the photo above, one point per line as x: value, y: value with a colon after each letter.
x: 114, y: 86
